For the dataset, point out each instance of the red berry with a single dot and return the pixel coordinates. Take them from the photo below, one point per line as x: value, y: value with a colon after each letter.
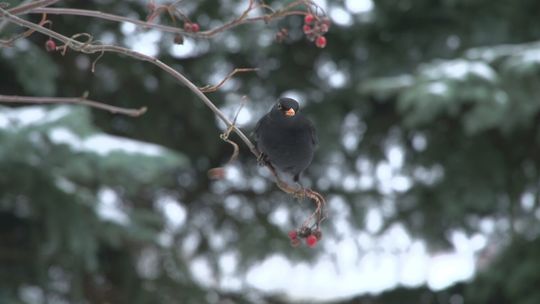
x: 293, y: 235
x: 188, y: 27
x: 50, y: 45
x: 311, y: 241
x: 307, y: 29
x: 320, y: 42
x: 195, y: 27
x: 309, y: 18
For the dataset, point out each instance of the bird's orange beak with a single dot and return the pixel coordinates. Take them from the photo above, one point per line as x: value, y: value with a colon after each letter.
x: 290, y: 112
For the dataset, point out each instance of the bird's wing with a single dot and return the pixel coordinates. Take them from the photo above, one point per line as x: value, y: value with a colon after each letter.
x: 255, y: 132
x: 314, y: 138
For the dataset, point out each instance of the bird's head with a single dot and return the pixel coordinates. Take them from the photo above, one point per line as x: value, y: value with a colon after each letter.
x: 287, y: 106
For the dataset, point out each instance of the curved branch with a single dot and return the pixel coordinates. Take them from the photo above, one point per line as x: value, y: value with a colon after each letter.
x: 89, y: 48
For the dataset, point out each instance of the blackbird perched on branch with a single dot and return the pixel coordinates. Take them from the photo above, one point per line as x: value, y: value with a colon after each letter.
x: 286, y: 138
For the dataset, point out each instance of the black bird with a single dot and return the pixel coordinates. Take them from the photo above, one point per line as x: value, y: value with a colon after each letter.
x: 286, y: 138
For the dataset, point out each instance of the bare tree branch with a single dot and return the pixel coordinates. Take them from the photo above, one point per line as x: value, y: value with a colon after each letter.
x: 25, y: 7
x: 110, y: 17
x: 242, y: 19
x: 9, y: 42
x: 72, y: 100
x: 90, y: 47
x: 4, y: 22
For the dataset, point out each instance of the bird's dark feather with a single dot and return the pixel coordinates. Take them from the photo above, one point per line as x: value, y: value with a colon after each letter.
x: 288, y: 143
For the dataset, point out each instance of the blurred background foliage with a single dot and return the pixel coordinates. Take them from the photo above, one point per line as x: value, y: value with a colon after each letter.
x: 451, y: 86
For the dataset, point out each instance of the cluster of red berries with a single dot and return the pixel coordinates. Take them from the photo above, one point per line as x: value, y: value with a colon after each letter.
x: 315, y: 28
x: 191, y: 27
x: 311, y: 236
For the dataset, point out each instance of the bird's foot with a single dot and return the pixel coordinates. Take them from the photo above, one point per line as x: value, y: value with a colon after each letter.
x: 300, y: 191
x: 263, y: 160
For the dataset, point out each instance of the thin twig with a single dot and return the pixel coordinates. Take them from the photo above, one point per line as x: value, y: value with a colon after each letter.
x: 316, y: 197
x: 286, y: 11
x: 72, y: 100
x: 242, y: 19
x: 89, y: 48
x: 23, y: 8
x: 227, y: 133
x: 107, y: 16
x: 4, y: 22
x: 9, y: 42
x: 209, y: 88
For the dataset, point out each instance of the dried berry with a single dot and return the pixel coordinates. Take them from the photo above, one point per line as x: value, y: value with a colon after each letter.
x: 324, y: 28
x: 282, y: 35
x: 326, y: 22
x: 293, y: 235
x: 178, y: 39
x: 304, y: 232
x: 295, y: 242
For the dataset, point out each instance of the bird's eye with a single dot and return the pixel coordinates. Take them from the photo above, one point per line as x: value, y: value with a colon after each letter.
x: 279, y: 106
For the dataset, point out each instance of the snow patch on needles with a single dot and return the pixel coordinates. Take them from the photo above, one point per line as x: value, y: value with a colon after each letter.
x: 531, y: 56
x: 437, y: 88
x: 103, y: 144
x: 459, y: 69
x: 31, y: 115
x: 109, y: 207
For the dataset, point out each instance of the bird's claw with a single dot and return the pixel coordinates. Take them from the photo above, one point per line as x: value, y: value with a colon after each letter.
x: 263, y: 160
x: 300, y: 193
